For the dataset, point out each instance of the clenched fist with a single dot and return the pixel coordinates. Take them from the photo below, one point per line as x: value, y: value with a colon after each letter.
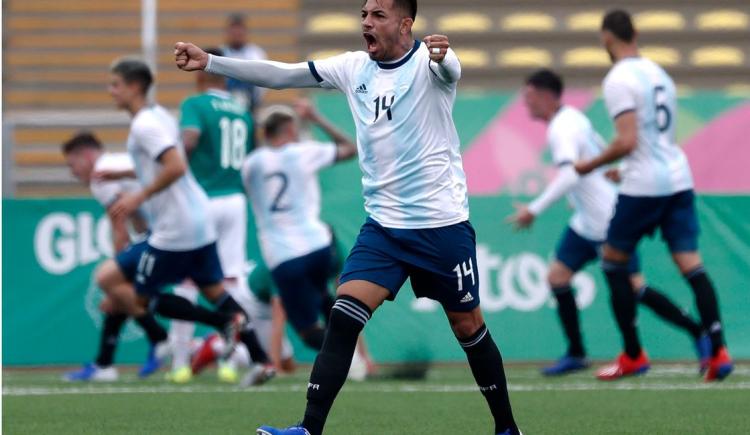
x: 437, y: 45
x: 189, y: 57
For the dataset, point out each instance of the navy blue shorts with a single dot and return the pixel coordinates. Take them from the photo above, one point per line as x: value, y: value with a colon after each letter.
x: 638, y: 216
x: 440, y: 262
x: 303, y: 284
x: 158, y: 268
x: 127, y: 259
x: 576, y: 251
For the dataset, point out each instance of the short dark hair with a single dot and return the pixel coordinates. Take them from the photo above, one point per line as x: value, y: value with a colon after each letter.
x: 620, y: 24
x: 133, y: 70
x: 236, y: 19
x: 547, y: 80
x: 275, y: 123
x: 408, y: 6
x: 82, y: 139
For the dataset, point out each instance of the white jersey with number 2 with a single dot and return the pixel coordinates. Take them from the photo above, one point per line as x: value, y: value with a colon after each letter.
x: 412, y: 175
x: 282, y: 184
x: 657, y: 167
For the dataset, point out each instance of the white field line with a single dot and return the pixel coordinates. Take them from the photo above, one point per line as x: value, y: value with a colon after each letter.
x: 436, y: 374
x: 107, y: 390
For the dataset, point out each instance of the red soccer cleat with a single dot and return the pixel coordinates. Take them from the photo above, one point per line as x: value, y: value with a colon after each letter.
x: 206, y: 355
x: 720, y: 366
x: 624, y: 366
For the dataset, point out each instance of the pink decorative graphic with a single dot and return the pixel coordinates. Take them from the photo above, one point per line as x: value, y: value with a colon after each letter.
x: 719, y: 154
x: 510, y: 147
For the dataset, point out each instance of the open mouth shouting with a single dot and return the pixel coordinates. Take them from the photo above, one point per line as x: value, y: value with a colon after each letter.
x: 371, y: 43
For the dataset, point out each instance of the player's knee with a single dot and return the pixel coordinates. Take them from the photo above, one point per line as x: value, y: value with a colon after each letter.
x: 213, y: 292
x: 687, y: 261
x: 464, y: 325
x: 558, y: 276
x: 107, y: 275
x: 637, y: 281
x: 614, y: 255
x: 107, y: 306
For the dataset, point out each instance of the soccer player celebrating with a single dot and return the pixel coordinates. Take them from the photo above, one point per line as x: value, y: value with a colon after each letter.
x: 217, y: 134
x: 281, y: 180
x: 656, y: 192
x: 182, y: 242
x: 401, y: 94
x: 572, y: 138
x: 85, y: 157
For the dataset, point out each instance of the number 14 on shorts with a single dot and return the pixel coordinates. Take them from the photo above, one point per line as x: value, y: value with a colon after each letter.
x: 464, y: 270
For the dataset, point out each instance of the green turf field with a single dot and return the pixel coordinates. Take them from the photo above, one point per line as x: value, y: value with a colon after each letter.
x: 671, y: 399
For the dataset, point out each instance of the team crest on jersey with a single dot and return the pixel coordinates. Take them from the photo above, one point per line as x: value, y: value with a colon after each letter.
x: 361, y: 89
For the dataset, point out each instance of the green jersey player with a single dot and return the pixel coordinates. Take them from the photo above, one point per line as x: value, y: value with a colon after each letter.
x: 216, y: 130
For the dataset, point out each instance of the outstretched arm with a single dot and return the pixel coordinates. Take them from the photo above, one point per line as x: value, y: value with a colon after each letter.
x: 524, y: 217
x: 264, y: 73
x: 345, y: 147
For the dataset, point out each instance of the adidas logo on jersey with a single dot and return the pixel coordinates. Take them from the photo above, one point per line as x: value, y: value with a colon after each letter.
x: 467, y: 298
x: 362, y: 89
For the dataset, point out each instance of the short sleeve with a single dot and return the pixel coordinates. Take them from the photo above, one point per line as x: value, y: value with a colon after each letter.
x: 318, y: 155
x: 106, y: 192
x: 618, y: 96
x: 153, y: 139
x: 334, y: 72
x: 563, y: 144
x: 189, y: 115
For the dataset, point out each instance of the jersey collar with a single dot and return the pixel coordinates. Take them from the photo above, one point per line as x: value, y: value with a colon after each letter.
x: 218, y: 92
x: 403, y: 60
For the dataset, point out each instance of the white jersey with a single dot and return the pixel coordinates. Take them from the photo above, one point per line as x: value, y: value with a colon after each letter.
x: 408, y: 146
x: 571, y: 138
x: 657, y: 167
x: 106, y: 192
x: 179, y: 218
x: 282, y: 184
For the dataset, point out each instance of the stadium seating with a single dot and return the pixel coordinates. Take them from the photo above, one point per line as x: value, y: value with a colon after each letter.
x: 57, y: 55
x: 57, y: 52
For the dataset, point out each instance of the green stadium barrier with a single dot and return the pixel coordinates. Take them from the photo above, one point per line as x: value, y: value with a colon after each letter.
x: 51, y: 247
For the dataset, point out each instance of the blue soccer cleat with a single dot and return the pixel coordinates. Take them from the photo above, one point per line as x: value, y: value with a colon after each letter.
x: 152, y: 365
x: 565, y: 365
x: 291, y: 430
x: 703, y: 348
x: 92, y: 372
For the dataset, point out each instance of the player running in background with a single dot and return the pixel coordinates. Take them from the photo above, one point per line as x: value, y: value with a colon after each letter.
x: 182, y: 242
x: 269, y: 320
x: 571, y: 138
x: 281, y: 180
x: 401, y: 93
x: 217, y: 133
x: 656, y: 192
x: 85, y: 156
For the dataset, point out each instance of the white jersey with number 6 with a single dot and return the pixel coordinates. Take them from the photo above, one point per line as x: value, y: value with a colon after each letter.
x: 282, y: 184
x: 657, y: 167
x: 409, y: 151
